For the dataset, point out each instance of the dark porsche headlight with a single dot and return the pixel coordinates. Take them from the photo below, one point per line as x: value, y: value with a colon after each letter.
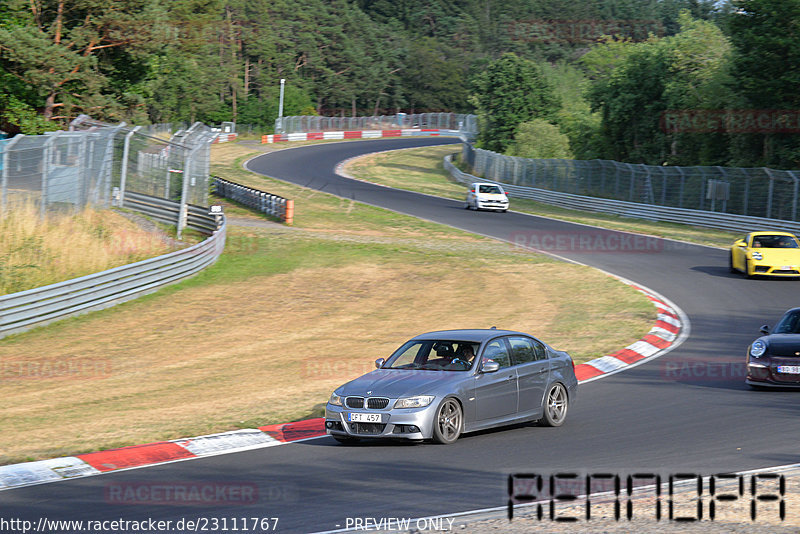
x: 758, y: 348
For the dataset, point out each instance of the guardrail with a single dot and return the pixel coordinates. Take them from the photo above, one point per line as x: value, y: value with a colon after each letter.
x: 26, y: 309
x: 169, y: 212
x: 709, y: 219
x: 262, y: 201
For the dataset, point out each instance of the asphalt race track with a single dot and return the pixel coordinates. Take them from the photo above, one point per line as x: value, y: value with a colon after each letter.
x: 686, y: 412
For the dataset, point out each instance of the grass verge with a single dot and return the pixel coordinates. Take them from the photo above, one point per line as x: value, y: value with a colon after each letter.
x: 35, y: 252
x: 285, y: 316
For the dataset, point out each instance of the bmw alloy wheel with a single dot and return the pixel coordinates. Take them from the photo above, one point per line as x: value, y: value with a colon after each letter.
x: 449, y: 422
x: 556, y: 405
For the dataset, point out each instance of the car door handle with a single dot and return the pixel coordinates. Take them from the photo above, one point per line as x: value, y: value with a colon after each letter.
x: 542, y: 371
x: 510, y: 377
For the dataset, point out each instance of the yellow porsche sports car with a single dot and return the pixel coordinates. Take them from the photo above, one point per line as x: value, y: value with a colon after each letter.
x: 766, y: 254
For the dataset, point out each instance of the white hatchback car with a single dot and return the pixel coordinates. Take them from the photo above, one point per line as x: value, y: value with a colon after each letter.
x: 487, y: 197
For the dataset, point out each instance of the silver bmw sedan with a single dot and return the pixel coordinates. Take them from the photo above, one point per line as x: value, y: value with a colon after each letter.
x: 442, y: 384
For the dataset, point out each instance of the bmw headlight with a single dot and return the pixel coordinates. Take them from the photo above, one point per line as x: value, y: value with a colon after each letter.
x: 335, y: 399
x: 758, y: 348
x: 420, y: 401
x: 757, y: 255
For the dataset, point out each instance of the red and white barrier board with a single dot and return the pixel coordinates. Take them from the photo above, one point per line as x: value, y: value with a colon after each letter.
x: 355, y: 134
x: 224, y: 138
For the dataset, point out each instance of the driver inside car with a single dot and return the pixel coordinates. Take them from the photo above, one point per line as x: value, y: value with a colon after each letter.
x: 463, y: 357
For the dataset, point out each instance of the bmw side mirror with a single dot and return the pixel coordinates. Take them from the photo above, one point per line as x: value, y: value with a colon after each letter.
x: 379, y: 363
x: 764, y: 329
x: 490, y: 366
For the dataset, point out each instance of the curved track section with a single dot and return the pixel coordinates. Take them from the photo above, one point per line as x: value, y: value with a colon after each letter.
x: 688, y: 411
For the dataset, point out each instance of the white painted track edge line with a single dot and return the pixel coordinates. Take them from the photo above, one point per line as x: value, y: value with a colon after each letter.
x: 143, y: 466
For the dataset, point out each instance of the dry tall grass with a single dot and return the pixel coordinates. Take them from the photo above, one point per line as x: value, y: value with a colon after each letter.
x: 36, y: 252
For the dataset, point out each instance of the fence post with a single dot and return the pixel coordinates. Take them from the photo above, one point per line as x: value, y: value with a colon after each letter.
x: 633, y: 173
x: 106, y: 171
x: 771, y: 191
x: 184, y: 210
x: 702, y: 202
x: 724, y: 200
x: 794, y: 198
x: 680, y: 193
x: 5, y: 159
x: 124, y: 170
x: 47, y: 155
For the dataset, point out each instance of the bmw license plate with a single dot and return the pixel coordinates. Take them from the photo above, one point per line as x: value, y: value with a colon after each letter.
x: 789, y: 369
x: 364, y: 417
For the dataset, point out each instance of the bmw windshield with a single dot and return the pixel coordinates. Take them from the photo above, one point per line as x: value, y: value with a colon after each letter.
x: 434, y: 355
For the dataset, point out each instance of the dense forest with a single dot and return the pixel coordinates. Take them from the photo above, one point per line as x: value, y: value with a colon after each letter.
x: 667, y: 82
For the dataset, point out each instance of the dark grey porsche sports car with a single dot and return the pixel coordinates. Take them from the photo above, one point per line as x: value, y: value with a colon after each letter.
x: 441, y: 384
x: 774, y: 358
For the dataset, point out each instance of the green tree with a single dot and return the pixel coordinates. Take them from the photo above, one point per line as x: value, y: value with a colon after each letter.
x: 61, y: 45
x: 511, y: 91
x: 698, y: 78
x: 575, y: 118
x: 766, y: 70
x: 434, y: 76
x: 636, y: 83
x: 539, y: 139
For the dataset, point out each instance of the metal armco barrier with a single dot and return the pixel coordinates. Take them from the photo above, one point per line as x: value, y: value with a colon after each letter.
x: 262, y: 201
x: 168, y: 212
x: 26, y: 309
x: 709, y: 219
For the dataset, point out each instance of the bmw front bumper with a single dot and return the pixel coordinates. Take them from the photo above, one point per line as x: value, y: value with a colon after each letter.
x: 405, y: 423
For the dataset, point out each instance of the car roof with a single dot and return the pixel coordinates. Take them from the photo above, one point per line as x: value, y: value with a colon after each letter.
x: 755, y: 234
x: 477, y: 335
x: 486, y: 183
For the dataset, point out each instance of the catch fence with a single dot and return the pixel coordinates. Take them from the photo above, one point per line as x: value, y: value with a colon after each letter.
x: 753, y: 192
x: 97, y: 164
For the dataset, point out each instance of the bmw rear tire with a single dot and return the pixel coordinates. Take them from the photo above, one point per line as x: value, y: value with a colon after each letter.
x: 556, y: 404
